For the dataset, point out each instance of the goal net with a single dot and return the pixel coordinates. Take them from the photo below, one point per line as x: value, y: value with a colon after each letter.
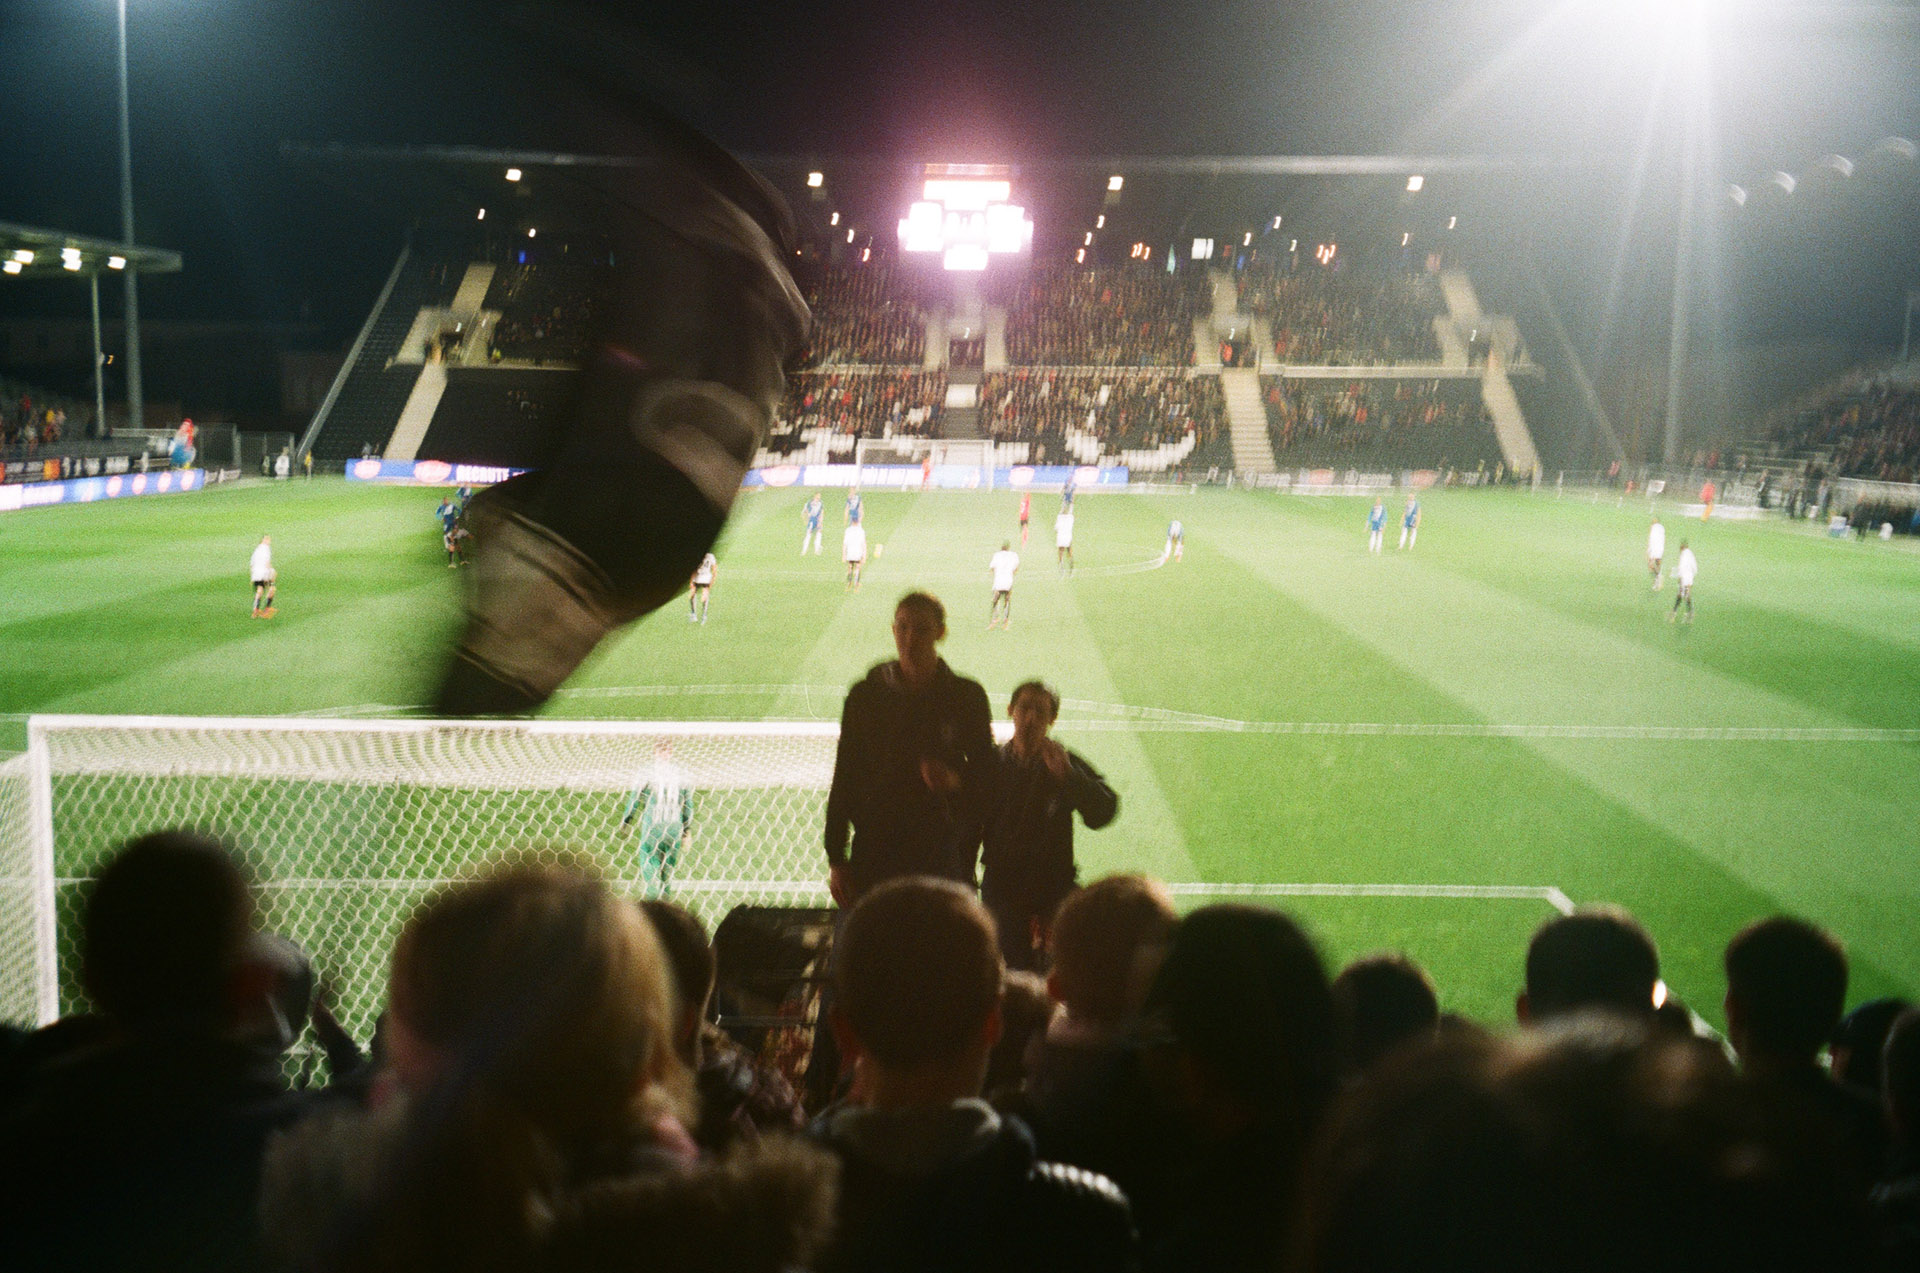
x: 345, y: 826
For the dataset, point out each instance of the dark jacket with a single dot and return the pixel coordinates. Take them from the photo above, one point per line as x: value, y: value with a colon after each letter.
x: 139, y: 1152
x: 1028, y: 855
x: 901, y: 827
x: 961, y: 1189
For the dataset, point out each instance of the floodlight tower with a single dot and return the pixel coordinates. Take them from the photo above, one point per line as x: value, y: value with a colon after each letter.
x: 136, y: 413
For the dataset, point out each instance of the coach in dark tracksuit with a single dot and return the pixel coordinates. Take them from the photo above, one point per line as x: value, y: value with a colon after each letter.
x: 1028, y: 866
x: 914, y: 765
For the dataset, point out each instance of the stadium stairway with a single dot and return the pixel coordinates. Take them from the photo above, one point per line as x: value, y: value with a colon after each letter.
x: 1246, y: 421
x: 417, y: 415
x: 1206, y: 345
x: 368, y: 395
x: 996, y: 359
x: 1509, y: 423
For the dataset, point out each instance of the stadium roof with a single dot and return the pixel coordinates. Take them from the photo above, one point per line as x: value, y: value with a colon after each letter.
x: 27, y: 251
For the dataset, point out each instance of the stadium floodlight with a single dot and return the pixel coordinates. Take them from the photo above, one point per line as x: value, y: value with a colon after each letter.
x: 815, y: 180
x: 11, y: 267
x: 849, y: 234
x: 531, y: 232
x: 1414, y: 183
x: 1406, y: 237
x: 1202, y: 249
x: 1246, y: 240
x: 1080, y: 257
x: 1277, y: 221
x: 1452, y: 221
x: 966, y: 217
x: 1087, y: 241
x: 69, y: 262
x: 866, y: 254
x: 1100, y: 222
x: 513, y: 174
x: 482, y: 216
x: 969, y: 257
x: 23, y: 255
x: 1114, y: 183
x: 1293, y: 245
x: 834, y: 219
x: 116, y: 262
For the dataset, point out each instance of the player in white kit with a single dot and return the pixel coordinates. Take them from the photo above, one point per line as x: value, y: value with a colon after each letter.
x: 1656, y: 549
x: 700, y: 591
x: 853, y: 550
x: 1004, y: 565
x: 260, y: 571
x: 1063, y: 540
x: 1685, y: 569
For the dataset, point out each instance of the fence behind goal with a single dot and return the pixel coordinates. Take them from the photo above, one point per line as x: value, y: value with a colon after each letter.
x: 345, y: 826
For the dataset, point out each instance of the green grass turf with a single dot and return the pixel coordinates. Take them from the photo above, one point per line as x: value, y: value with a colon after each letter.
x: 1514, y: 610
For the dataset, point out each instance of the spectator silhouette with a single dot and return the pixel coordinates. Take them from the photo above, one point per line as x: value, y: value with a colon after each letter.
x: 133, y: 1136
x: 1385, y: 1002
x: 739, y: 1098
x: 535, y: 1117
x: 1027, y: 866
x: 1241, y: 1032
x: 1858, y: 1042
x: 1896, y: 1200
x: 1786, y: 986
x: 913, y: 766
x: 1599, y: 957
x: 933, y: 1178
x: 1591, y: 1144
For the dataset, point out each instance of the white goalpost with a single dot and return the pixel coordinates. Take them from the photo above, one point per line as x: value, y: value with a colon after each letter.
x: 345, y: 826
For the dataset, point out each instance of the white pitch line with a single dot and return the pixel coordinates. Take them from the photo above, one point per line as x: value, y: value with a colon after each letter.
x: 1548, y: 894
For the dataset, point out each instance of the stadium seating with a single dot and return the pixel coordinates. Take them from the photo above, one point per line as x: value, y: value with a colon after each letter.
x: 1378, y: 423
x: 865, y: 317
x: 1337, y: 317
x: 545, y: 307
x: 1869, y: 427
x: 373, y: 392
x: 1111, y: 317
x: 1151, y: 420
x: 493, y: 415
x: 864, y: 404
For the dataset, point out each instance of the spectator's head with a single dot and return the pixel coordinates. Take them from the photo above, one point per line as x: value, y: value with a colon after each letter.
x: 917, y: 973
x: 919, y: 623
x: 1100, y: 936
x: 540, y: 988
x: 689, y: 954
x: 1786, y: 986
x: 1244, y: 1002
x: 1592, y: 1143
x: 1024, y: 1010
x: 1859, y: 1040
x: 1599, y: 957
x: 1900, y: 1078
x: 1034, y: 707
x: 1385, y: 1002
x: 165, y: 933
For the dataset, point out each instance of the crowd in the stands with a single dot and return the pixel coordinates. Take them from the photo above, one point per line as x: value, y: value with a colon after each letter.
x: 865, y: 316
x: 1342, y: 317
x: 1125, y: 410
x: 1870, y: 429
x: 30, y: 420
x: 547, y: 1091
x: 864, y: 404
x: 1107, y: 317
x: 1360, y: 415
x: 546, y: 309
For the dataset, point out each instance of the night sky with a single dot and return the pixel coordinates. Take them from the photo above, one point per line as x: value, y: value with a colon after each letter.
x: 218, y: 85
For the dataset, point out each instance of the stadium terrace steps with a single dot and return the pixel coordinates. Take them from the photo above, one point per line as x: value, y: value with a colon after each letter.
x: 1206, y: 345
x: 1509, y: 423
x: 417, y: 415
x: 371, y: 393
x: 1247, y: 421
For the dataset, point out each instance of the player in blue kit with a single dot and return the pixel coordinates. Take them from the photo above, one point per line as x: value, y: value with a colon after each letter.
x: 853, y: 507
x: 1376, y: 525
x: 811, y: 535
x: 1410, y: 523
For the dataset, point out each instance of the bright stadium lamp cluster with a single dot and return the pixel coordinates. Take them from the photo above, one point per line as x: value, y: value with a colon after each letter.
x: 964, y: 215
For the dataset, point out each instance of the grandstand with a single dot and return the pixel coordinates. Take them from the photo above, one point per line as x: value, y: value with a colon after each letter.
x: 471, y: 344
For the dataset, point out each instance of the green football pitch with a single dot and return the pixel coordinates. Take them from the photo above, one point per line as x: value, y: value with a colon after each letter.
x: 1425, y: 751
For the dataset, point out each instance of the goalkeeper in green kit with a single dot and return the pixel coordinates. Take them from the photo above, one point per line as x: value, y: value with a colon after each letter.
x: 662, y: 807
